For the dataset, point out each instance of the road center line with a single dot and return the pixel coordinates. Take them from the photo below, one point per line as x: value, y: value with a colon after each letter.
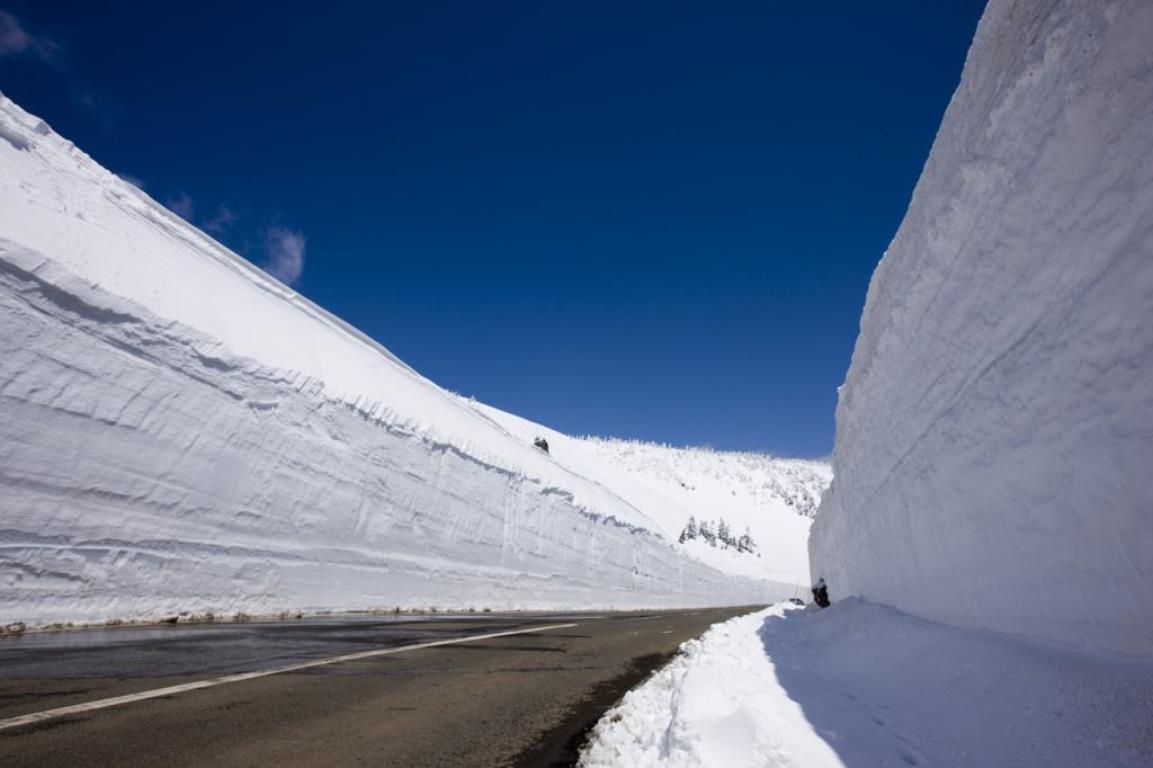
x: 116, y: 701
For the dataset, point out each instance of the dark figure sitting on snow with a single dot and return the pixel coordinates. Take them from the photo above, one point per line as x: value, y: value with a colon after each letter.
x: 541, y: 443
x: 821, y: 593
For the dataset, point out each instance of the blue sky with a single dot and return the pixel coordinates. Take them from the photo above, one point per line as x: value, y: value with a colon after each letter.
x: 652, y: 220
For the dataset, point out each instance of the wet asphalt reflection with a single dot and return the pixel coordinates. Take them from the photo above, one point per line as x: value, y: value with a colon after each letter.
x: 227, y: 648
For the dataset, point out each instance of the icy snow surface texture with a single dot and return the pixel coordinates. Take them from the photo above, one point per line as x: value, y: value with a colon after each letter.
x: 861, y: 684
x: 180, y: 432
x: 994, y: 449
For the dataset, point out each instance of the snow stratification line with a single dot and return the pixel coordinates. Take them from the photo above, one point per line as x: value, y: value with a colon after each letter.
x: 116, y: 701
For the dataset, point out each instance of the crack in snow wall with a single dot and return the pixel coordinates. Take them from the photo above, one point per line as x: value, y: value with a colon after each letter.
x: 145, y: 471
x: 995, y: 430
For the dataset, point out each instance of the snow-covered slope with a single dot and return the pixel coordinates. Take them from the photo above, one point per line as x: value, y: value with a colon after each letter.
x: 995, y: 431
x: 180, y: 432
x: 773, y: 498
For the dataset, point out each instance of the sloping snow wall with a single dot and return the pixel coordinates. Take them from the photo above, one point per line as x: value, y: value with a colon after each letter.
x: 181, y: 433
x: 994, y: 451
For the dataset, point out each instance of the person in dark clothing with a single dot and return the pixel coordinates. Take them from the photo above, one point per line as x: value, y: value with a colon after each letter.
x: 541, y: 443
x: 821, y: 593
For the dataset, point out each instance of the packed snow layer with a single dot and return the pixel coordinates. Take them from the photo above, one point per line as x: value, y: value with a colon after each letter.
x: 773, y: 498
x: 861, y: 684
x: 180, y: 432
x: 995, y: 431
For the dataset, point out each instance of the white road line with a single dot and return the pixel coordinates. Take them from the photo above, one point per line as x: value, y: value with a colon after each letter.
x: 116, y: 701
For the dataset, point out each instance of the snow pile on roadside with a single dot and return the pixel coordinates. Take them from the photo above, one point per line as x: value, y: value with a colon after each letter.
x: 862, y: 684
x: 995, y: 429
x: 717, y: 703
x: 179, y: 432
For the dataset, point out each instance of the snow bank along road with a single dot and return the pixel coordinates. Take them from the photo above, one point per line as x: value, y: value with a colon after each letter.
x: 995, y: 429
x: 181, y: 433
x: 861, y: 684
x: 514, y: 689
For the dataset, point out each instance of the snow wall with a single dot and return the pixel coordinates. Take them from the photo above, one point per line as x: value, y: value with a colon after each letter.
x: 181, y: 433
x: 994, y: 451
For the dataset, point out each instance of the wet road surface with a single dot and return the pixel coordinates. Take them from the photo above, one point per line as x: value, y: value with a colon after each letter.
x: 521, y: 699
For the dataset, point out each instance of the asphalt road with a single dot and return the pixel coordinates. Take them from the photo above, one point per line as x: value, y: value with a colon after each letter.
x: 522, y: 699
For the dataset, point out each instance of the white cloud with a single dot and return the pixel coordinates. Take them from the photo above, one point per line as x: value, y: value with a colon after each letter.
x: 285, y: 250
x: 220, y: 222
x: 15, y: 40
x: 182, y: 206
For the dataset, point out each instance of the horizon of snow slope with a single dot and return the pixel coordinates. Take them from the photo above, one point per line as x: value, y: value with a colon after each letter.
x: 862, y: 684
x: 995, y: 429
x: 181, y: 433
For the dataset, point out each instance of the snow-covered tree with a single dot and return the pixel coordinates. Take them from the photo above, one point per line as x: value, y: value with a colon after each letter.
x: 706, y: 531
x: 745, y: 543
x: 724, y: 533
x: 690, y: 531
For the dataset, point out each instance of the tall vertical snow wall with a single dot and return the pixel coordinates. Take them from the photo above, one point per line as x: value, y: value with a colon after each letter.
x: 994, y: 452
